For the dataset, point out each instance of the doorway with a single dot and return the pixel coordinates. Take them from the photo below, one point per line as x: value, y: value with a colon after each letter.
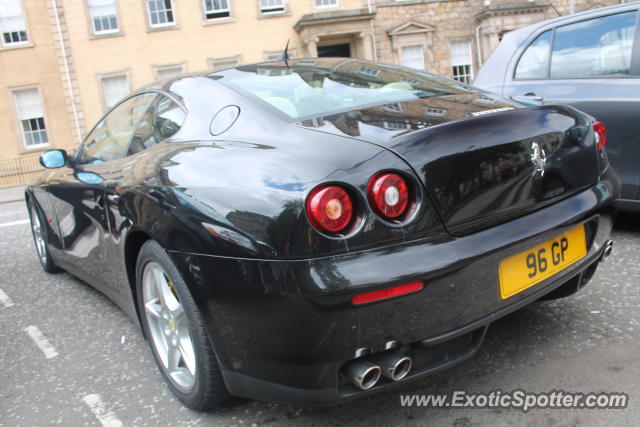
x: 342, y: 50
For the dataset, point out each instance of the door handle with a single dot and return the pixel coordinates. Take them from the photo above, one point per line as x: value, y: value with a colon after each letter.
x: 532, y: 96
x: 528, y: 99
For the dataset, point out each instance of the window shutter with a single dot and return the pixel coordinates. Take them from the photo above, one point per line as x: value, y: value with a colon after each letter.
x: 413, y: 56
x: 115, y: 88
x: 11, y: 16
x: 460, y: 53
x: 102, y: 7
x: 28, y: 104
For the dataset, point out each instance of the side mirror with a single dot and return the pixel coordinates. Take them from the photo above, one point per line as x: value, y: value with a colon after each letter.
x: 89, y: 178
x: 53, y: 159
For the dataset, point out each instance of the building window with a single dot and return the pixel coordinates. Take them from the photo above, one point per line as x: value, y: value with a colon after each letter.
x: 326, y: 3
x: 216, y: 9
x: 396, y: 125
x: 169, y: 71
x: 104, y: 17
x: 114, y: 88
x: 461, y: 61
x: 230, y: 61
x: 413, y: 56
x: 369, y: 71
x: 160, y: 13
x: 31, y: 116
x: 268, y: 7
x: 396, y: 107
x: 435, y: 112
x: 410, y: 81
x: 272, y: 72
x: 12, y: 25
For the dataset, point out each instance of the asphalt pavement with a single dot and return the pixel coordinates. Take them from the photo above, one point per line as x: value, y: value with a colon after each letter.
x: 69, y: 356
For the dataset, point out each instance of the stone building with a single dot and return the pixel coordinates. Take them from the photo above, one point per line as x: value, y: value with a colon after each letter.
x: 63, y: 62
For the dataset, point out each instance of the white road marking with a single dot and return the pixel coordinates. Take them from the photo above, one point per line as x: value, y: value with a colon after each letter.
x: 106, y: 418
x: 5, y: 300
x: 12, y: 213
x: 12, y: 223
x: 37, y: 337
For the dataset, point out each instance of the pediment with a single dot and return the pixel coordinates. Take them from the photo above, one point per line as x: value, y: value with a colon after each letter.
x: 411, y: 27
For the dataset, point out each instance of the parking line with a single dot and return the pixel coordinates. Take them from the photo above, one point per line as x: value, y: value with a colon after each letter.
x: 44, y: 345
x: 106, y: 418
x: 12, y: 223
x: 5, y: 300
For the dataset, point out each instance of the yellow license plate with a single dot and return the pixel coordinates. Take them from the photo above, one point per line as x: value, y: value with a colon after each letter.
x: 521, y: 271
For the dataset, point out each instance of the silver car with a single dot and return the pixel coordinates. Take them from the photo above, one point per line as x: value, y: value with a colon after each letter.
x: 590, y: 60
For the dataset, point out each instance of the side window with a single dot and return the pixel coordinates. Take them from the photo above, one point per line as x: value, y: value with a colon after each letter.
x: 533, y: 62
x: 594, y: 48
x: 110, y: 139
x: 161, y: 121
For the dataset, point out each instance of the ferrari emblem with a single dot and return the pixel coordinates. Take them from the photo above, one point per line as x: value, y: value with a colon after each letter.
x: 538, y: 158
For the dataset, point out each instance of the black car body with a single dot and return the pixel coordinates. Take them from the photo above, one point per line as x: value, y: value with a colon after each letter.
x: 225, y: 188
x: 590, y: 60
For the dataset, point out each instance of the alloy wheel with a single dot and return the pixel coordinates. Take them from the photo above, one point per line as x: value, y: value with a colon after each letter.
x: 38, y: 236
x: 168, y: 326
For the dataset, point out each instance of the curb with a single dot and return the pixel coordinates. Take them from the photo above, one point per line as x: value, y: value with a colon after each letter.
x: 12, y: 194
x: 10, y: 201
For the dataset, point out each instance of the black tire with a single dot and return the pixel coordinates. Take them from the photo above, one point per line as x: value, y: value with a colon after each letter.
x: 209, y: 390
x: 42, y: 250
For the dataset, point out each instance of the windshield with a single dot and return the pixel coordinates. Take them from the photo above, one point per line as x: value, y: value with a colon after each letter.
x: 317, y: 88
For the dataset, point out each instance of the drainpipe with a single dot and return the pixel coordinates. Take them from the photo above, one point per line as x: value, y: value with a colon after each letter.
x: 479, y: 46
x: 67, y: 73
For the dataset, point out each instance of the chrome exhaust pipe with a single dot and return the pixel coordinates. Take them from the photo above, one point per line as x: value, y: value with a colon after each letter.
x: 394, y: 366
x: 362, y: 373
x: 608, y: 248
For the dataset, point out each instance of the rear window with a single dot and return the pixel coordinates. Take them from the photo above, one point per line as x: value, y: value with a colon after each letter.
x: 534, y: 61
x: 302, y: 92
x: 597, y: 47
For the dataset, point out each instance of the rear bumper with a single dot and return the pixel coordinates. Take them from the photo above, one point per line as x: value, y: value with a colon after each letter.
x: 429, y: 356
x: 628, y: 205
x: 283, y: 329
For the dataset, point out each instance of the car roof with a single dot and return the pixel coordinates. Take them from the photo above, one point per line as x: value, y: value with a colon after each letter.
x: 491, y: 76
x: 522, y: 33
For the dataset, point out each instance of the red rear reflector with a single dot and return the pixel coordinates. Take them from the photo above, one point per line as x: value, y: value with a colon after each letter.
x: 387, y: 293
x: 601, y: 134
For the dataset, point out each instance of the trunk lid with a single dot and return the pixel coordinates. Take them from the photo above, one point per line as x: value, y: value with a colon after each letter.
x: 482, y: 163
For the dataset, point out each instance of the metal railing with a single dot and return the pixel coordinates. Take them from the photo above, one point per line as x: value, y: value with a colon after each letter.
x: 19, y: 170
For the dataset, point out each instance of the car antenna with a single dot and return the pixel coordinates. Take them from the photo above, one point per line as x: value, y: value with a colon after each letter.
x: 285, y: 54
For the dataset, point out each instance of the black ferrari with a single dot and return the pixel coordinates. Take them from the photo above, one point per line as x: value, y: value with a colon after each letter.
x: 316, y: 230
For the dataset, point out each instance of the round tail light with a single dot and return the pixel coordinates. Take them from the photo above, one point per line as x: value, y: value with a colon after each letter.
x: 329, y: 208
x: 388, y: 195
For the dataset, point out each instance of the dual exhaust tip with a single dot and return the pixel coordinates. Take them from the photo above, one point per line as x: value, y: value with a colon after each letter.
x: 608, y: 248
x: 365, y: 373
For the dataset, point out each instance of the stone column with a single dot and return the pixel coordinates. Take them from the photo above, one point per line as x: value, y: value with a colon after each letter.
x: 366, y: 46
x: 311, y: 46
x: 494, y: 41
